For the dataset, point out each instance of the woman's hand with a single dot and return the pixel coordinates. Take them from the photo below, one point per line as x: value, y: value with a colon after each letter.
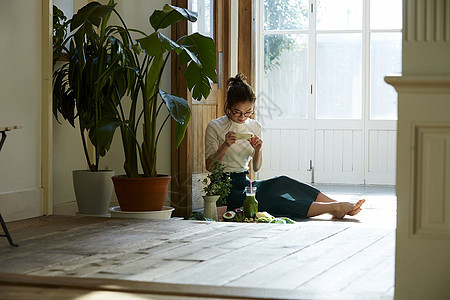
x: 256, y: 142
x: 230, y: 138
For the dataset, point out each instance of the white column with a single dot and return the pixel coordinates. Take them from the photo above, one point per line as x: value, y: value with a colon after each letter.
x: 423, y: 153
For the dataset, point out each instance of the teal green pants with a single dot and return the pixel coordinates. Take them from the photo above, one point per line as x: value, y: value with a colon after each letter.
x: 280, y: 196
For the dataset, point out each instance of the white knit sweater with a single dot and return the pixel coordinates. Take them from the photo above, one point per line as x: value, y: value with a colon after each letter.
x: 238, y: 156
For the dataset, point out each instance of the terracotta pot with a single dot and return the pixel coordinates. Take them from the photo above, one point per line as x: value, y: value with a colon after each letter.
x: 141, y: 194
x: 220, y: 211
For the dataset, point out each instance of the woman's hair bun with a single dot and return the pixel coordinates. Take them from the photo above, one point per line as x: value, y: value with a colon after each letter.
x: 238, y: 79
x: 238, y: 91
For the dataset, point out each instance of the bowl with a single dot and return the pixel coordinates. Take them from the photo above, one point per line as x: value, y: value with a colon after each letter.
x: 164, y: 214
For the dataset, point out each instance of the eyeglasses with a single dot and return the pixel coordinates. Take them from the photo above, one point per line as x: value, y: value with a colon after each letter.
x: 240, y: 113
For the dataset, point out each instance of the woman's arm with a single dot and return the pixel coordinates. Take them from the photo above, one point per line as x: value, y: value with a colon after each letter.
x: 230, y: 139
x: 257, y: 160
x: 256, y: 143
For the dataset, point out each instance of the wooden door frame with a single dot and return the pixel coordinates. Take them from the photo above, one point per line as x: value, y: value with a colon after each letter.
x: 46, y: 109
x: 181, y: 158
x: 245, y: 39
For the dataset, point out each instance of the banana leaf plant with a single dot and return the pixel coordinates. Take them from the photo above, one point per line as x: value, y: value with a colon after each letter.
x: 79, y: 60
x: 135, y: 67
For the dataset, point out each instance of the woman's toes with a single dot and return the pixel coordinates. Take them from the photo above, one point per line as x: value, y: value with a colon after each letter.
x: 358, y: 204
x: 354, y: 212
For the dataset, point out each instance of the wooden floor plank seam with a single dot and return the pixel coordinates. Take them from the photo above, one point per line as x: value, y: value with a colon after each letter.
x: 274, y: 262
x: 343, y: 262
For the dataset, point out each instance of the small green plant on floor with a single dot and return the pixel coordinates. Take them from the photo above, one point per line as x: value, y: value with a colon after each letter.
x: 218, y: 183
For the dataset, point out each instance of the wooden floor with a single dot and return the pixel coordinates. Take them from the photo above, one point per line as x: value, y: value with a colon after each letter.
x: 316, y: 259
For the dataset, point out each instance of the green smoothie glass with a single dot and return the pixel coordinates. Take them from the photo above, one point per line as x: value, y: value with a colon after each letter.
x: 250, y: 202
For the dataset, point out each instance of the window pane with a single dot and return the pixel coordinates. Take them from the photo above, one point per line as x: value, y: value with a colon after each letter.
x: 386, y: 14
x: 385, y: 58
x: 285, y: 14
x: 339, y: 15
x: 339, y: 79
x: 285, y: 81
x: 205, y: 21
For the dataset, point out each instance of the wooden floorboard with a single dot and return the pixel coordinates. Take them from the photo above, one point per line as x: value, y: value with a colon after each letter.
x: 356, y: 267
x: 16, y: 286
x: 348, y: 259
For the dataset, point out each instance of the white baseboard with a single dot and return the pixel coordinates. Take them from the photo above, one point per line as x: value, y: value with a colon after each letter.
x: 21, y: 205
x: 71, y: 208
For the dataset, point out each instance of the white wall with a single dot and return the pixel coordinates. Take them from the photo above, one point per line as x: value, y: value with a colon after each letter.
x: 20, y: 104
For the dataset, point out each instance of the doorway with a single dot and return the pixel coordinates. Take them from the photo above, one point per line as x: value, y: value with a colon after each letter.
x: 328, y: 115
x: 213, y: 16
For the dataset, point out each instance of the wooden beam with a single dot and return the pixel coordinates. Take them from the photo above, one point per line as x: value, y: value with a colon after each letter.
x: 181, y: 158
x: 245, y: 51
x: 245, y: 39
x: 224, y: 47
x: 16, y: 286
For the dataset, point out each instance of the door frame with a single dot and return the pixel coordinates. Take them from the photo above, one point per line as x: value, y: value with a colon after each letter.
x: 181, y: 158
x: 46, y: 109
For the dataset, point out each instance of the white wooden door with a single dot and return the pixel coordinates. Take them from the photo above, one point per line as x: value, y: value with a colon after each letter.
x: 327, y: 114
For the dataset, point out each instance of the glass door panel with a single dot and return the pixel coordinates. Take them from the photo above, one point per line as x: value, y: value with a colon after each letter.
x: 386, y: 14
x: 285, y: 79
x: 385, y: 58
x: 286, y: 15
x: 339, y: 76
x: 339, y: 15
x: 205, y: 21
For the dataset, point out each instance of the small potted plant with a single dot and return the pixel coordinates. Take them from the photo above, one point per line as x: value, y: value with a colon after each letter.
x: 217, y: 188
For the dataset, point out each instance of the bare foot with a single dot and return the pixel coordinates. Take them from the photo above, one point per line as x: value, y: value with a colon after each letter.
x: 354, y: 212
x: 357, y: 208
x: 344, y: 208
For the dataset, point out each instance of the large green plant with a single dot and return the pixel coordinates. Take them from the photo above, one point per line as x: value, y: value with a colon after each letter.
x: 79, y: 60
x: 135, y: 67
x: 140, y: 70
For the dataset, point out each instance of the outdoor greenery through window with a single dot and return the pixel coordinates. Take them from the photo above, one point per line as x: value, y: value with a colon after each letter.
x: 326, y: 59
x: 205, y: 21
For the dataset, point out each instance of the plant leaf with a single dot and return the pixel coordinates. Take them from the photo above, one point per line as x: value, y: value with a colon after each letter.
x: 171, y: 14
x: 153, y: 75
x: 180, y: 112
x: 199, y: 77
x: 91, y: 13
x: 157, y: 43
x: 102, y: 136
x: 187, y: 55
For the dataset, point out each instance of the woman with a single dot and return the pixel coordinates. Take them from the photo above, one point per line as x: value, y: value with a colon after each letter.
x: 279, y: 196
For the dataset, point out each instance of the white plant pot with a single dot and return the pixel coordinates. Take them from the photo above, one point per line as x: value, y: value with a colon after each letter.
x: 164, y: 214
x: 209, y: 205
x: 93, y: 191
